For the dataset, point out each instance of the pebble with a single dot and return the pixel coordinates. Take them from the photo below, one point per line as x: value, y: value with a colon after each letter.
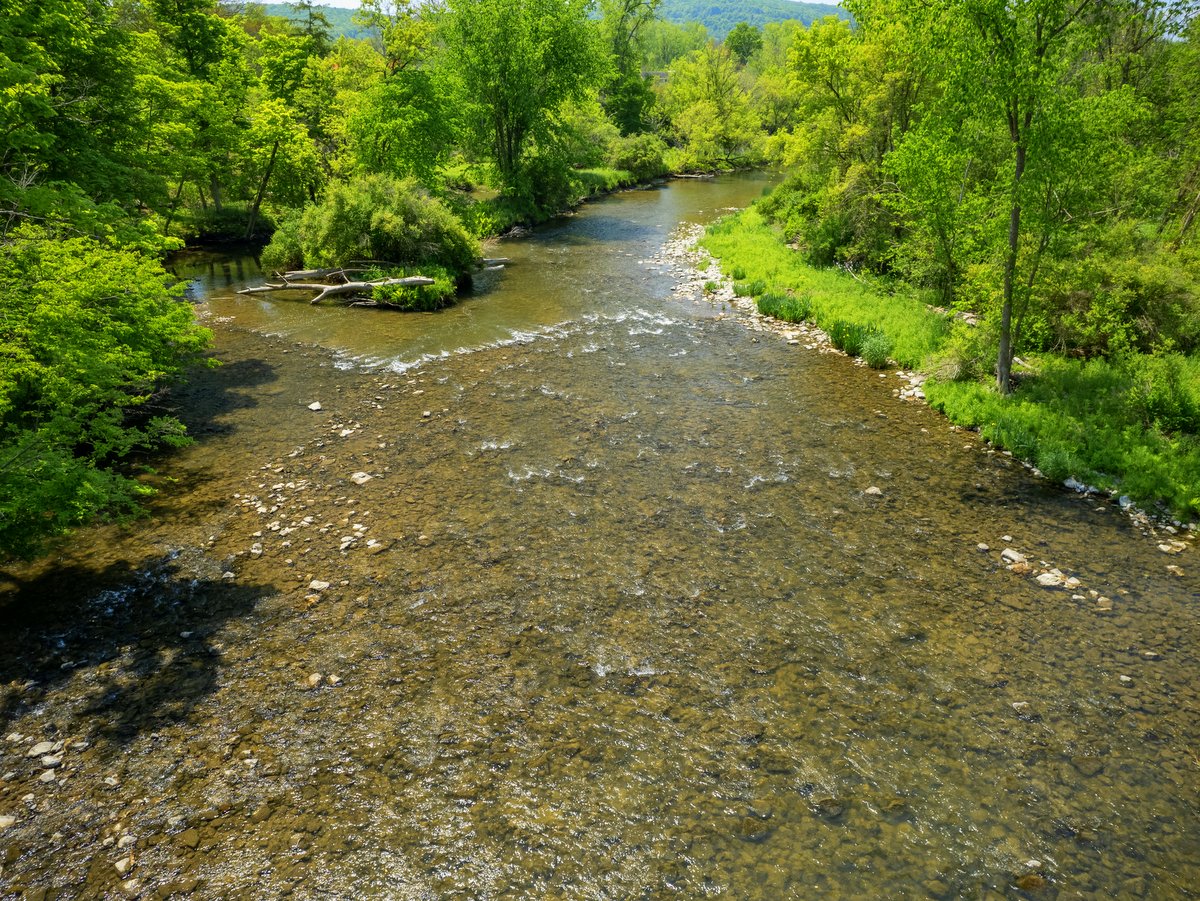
x: 112, y: 781
x: 318, y: 585
x: 7, y: 821
x: 126, y: 841
x: 874, y: 491
x: 983, y: 547
x: 315, y: 680
x: 1008, y: 555
x: 40, y: 749
x: 52, y: 761
x: 315, y: 406
x: 333, y: 680
x: 124, y: 865
x: 190, y: 839
x: 360, y: 478
x: 48, y: 776
x: 1051, y: 579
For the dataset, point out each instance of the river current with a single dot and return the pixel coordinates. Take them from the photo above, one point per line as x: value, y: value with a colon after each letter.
x: 577, y: 590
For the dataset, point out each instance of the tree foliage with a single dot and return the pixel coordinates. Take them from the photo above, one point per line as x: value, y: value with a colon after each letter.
x: 89, y: 335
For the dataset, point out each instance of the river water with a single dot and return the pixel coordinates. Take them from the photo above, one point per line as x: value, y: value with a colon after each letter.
x: 614, y: 617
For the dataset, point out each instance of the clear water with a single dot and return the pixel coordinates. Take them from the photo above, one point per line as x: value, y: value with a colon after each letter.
x: 613, y: 618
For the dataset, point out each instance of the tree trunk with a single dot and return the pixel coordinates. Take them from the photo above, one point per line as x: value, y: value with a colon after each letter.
x: 174, y: 204
x: 214, y: 188
x: 1004, y: 358
x: 262, y: 189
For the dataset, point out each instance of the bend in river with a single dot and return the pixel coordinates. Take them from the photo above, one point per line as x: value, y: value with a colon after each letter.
x: 594, y: 602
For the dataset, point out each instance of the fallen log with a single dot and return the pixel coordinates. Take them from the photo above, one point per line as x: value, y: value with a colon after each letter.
x: 346, y: 288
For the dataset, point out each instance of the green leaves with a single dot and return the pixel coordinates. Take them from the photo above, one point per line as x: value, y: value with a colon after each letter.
x: 88, y: 336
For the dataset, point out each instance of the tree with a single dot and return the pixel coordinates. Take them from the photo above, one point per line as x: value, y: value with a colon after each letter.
x: 744, y: 41
x: 1006, y: 65
x: 517, y: 62
x: 628, y: 95
x: 89, y: 335
x: 710, y: 110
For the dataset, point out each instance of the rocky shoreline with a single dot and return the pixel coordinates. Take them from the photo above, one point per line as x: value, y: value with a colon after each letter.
x: 699, y: 278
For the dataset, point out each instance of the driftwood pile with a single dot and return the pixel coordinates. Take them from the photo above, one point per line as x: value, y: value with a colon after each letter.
x: 340, y: 282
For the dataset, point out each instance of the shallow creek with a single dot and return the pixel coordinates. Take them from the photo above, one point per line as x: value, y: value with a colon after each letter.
x: 613, y: 617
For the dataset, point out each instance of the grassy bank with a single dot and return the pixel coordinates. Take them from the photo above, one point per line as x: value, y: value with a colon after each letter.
x: 1131, y: 425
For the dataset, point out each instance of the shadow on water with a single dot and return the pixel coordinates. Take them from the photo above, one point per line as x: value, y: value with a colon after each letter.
x: 213, y: 393
x: 140, y: 647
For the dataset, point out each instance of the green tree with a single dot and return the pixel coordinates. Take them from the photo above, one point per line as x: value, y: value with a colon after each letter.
x: 744, y: 41
x: 89, y: 336
x: 517, y: 62
x: 627, y: 95
x: 710, y: 111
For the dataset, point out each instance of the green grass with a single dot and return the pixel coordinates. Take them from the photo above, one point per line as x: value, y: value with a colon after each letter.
x: 1090, y: 421
x: 1130, y: 425
x: 752, y: 251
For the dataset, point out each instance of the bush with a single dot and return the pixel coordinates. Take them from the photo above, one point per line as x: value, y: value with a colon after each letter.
x: 414, y: 298
x: 642, y: 155
x: 285, y: 251
x: 848, y: 336
x: 876, y: 349
x: 380, y: 219
x: 1160, y: 395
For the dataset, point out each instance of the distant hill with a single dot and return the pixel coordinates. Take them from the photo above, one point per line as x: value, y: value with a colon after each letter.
x: 718, y: 17
x: 339, y: 19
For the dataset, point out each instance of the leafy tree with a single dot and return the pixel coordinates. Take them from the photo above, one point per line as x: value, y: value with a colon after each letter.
x: 375, y: 218
x: 89, y: 335
x: 744, y: 41
x: 627, y: 96
x: 710, y: 110
x: 517, y: 62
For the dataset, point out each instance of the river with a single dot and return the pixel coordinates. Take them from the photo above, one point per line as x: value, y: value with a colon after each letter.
x: 576, y: 590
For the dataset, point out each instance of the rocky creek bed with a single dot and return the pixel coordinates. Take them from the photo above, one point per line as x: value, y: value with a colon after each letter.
x: 647, y: 605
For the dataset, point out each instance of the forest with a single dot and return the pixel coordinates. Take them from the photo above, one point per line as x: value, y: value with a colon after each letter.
x: 1033, y: 167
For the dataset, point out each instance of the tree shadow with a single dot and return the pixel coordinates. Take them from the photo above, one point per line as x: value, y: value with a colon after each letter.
x: 116, y: 652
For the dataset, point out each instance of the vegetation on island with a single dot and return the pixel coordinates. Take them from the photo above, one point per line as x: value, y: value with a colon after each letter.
x: 1004, y: 196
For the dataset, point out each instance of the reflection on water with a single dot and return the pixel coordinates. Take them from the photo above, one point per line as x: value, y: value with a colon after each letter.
x: 613, y: 617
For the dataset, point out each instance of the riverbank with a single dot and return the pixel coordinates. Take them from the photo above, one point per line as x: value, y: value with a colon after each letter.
x: 1095, y: 426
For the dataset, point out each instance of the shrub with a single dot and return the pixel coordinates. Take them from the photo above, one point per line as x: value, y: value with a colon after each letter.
x: 848, y: 336
x: 284, y: 252
x: 377, y: 218
x: 643, y: 155
x: 414, y: 298
x: 876, y: 349
x: 749, y: 289
x: 1159, y: 393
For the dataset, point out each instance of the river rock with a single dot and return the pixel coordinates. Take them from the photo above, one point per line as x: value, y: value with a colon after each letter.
x: 47, y: 777
x: 40, y: 749
x: 315, y: 680
x: 361, y: 478
x: 190, y: 838
x: 50, y: 761
x: 124, y: 865
x: 6, y: 821
x: 874, y: 491
x: 1052, y: 579
x: 318, y: 585
x: 1008, y: 555
x: 315, y: 406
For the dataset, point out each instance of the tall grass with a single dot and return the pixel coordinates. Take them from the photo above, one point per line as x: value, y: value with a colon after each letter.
x: 754, y: 252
